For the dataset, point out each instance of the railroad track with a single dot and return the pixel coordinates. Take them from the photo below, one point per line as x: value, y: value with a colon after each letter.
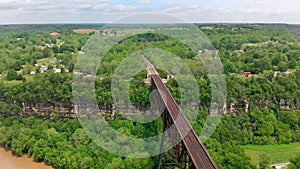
x: 196, y: 150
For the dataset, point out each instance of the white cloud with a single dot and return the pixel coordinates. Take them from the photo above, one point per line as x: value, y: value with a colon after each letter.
x: 10, y: 5
x: 145, y: 2
x: 101, y: 6
x: 106, y: 1
x: 8, y: 1
x: 171, y: 9
x: 84, y: 1
x: 85, y: 6
x: 269, y: 6
x: 47, y: 5
x: 122, y: 8
x: 194, y: 7
x: 252, y: 11
x: 16, y: 11
x: 30, y: 5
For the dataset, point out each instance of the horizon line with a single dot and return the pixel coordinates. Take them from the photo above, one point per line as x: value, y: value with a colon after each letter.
x: 92, y: 23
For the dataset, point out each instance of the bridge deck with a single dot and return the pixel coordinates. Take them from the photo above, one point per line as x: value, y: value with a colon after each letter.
x: 196, y: 150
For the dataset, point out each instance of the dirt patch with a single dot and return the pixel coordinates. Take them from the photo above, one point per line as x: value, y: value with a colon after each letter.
x: 54, y: 34
x: 85, y: 31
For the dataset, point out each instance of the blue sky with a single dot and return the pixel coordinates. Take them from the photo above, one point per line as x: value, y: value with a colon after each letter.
x: 78, y: 11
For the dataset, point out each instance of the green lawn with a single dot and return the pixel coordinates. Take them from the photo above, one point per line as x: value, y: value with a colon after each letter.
x: 279, y: 153
x: 29, y: 78
x: 11, y: 83
x: 44, y: 61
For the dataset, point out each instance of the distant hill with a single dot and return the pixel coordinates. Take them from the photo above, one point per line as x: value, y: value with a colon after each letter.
x: 45, y: 27
x: 291, y: 28
x: 295, y: 29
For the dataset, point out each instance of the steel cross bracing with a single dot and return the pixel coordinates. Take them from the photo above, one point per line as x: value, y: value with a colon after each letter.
x: 189, y: 152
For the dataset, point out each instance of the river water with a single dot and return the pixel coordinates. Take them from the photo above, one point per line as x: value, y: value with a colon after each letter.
x: 8, y: 161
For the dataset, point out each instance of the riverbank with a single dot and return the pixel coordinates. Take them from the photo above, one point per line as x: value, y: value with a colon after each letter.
x: 9, y: 161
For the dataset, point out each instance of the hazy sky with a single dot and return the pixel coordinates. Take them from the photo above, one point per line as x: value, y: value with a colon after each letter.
x: 76, y: 11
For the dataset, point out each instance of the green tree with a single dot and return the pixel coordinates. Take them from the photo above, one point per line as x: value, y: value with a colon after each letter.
x: 295, y: 163
x: 230, y: 68
x: 265, y: 161
x: 282, y: 66
x: 292, y: 64
x: 116, y: 163
x: 12, y: 75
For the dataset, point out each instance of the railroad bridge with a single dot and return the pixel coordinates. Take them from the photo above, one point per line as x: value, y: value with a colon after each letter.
x: 190, y: 151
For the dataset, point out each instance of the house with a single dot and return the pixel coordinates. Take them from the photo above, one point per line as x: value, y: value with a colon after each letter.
x: 48, y: 45
x: 56, y: 70
x: 247, y: 73
x: 280, y: 166
x: 41, y: 47
x: 43, y: 69
x: 53, y: 61
x: 59, y: 42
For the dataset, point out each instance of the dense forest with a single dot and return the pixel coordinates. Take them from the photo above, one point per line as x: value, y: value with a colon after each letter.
x: 262, y: 68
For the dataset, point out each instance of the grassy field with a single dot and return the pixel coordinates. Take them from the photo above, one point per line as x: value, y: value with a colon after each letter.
x: 11, y: 83
x: 44, y: 61
x: 279, y: 153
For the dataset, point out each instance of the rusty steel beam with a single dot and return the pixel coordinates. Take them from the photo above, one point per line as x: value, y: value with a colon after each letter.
x: 190, y: 152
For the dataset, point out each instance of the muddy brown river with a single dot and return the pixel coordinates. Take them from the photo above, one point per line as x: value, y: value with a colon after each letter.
x: 8, y: 161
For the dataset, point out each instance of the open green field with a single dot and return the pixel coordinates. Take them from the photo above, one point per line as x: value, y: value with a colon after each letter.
x: 44, y: 61
x: 10, y: 83
x: 278, y: 153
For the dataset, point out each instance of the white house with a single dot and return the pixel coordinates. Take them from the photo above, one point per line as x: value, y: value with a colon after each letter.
x: 56, y: 70
x: 280, y: 166
x: 43, y: 69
